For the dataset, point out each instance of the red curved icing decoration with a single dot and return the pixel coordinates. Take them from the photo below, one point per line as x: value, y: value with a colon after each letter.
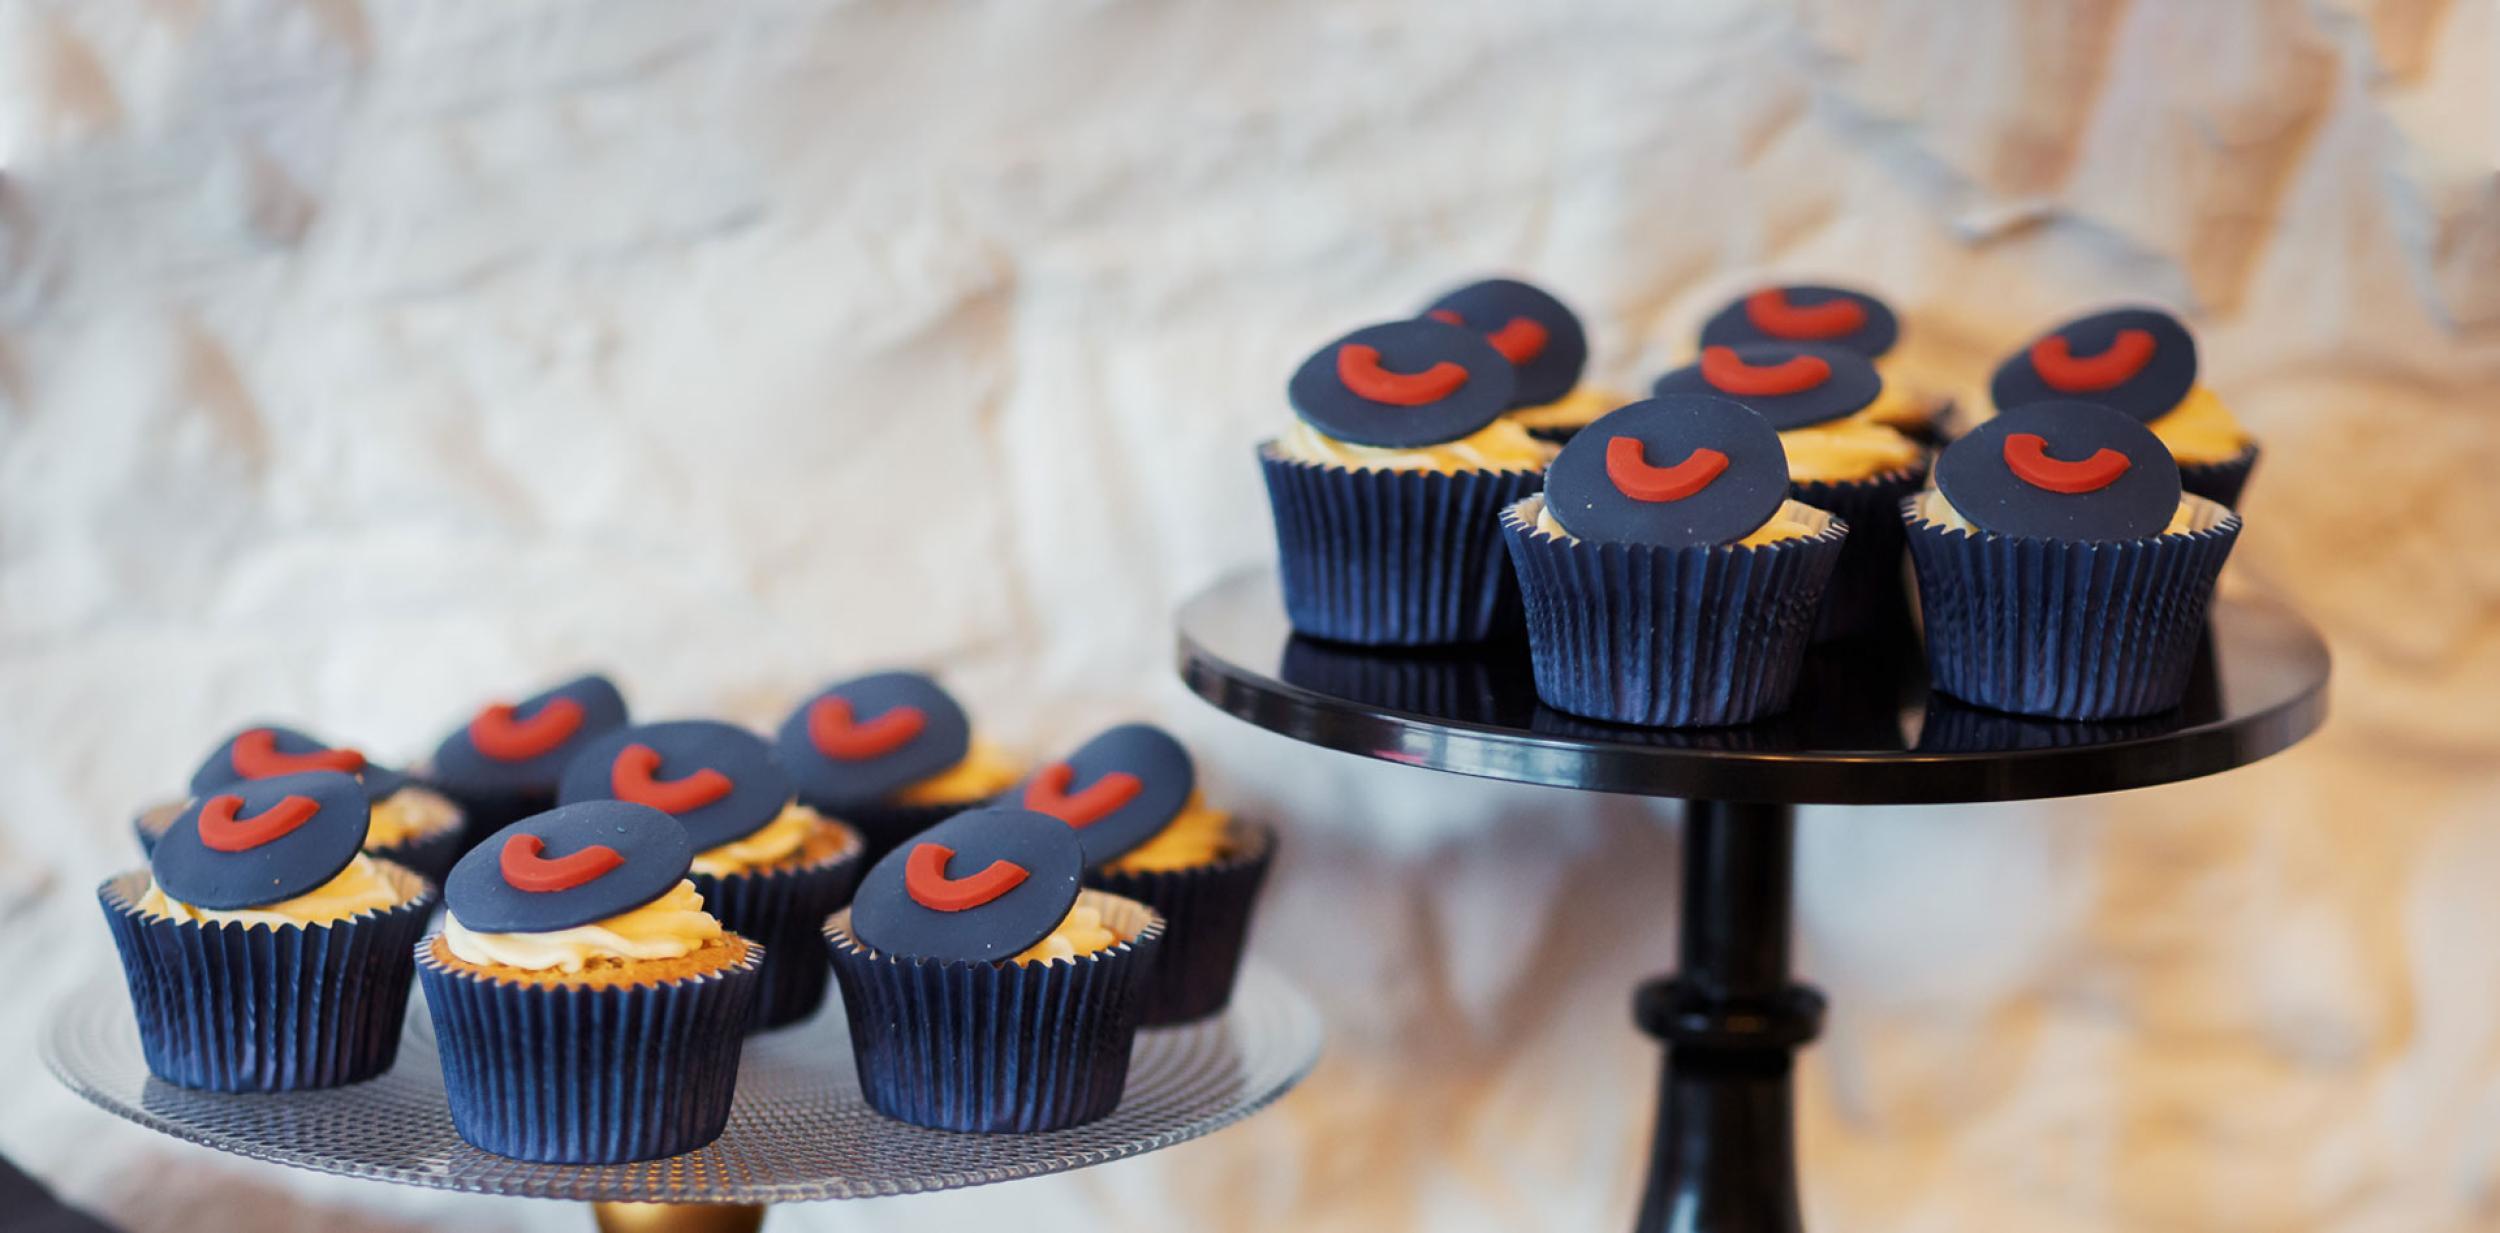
x: 2125, y: 356
x: 255, y: 756
x: 1771, y: 313
x: 1048, y: 793
x: 525, y: 870
x: 1635, y: 478
x: 632, y: 778
x: 224, y: 832
x: 500, y: 736
x: 2027, y: 456
x: 1358, y: 366
x: 837, y: 735
x: 1728, y: 373
x: 925, y: 880
x: 1449, y: 315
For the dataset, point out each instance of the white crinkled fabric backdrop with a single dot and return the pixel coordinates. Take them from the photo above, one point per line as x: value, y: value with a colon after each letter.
x: 361, y: 360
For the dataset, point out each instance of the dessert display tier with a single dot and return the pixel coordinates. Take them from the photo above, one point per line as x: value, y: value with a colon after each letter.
x: 1863, y: 729
x: 799, y: 1130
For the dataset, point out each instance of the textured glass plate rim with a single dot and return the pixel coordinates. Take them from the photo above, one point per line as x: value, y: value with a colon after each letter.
x: 1270, y: 1034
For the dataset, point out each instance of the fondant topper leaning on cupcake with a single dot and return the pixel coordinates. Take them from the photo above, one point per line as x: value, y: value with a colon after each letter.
x: 586, y: 1007
x: 1131, y: 793
x: 503, y: 763
x: 986, y: 989
x: 1542, y: 338
x: 771, y: 868
x: 2140, y: 361
x: 1843, y: 456
x: 1840, y: 317
x: 263, y: 949
x: 1386, y: 491
x: 891, y: 754
x: 2062, y: 571
x: 1670, y: 581
x: 411, y: 824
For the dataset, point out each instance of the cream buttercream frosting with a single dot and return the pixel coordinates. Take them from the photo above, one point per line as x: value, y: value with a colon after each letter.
x: 1197, y: 835
x: 1792, y: 520
x: 1857, y: 447
x: 1903, y: 404
x: 1503, y: 445
x: 984, y: 772
x: 1934, y: 507
x: 672, y: 925
x: 1081, y: 932
x: 412, y: 812
x: 768, y: 844
x: 359, y: 888
x: 1573, y: 410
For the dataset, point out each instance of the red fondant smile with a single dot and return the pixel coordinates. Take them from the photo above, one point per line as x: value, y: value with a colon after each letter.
x: 525, y: 870
x: 1629, y: 468
x: 1048, y: 793
x: 1520, y: 339
x: 1772, y: 314
x: 632, y: 778
x: 925, y: 880
x: 837, y: 735
x: 2027, y: 455
x: 1358, y: 366
x: 2126, y: 356
x: 224, y: 832
x: 500, y: 736
x: 1728, y: 373
x: 255, y: 756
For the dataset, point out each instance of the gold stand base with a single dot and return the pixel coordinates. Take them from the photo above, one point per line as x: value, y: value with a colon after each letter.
x: 677, y: 1217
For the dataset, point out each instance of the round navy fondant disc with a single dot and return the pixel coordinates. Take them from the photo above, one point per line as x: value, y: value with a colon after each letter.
x: 1984, y: 474
x: 1537, y: 333
x: 259, y: 845
x: 544, y: 740
x: 889, y: 916
x: 651, y: 851
x: 1846, y: 385
x: 1790, y: 314
x: 863, y: 740
x: 2141, y: 361
x: 1599, y: 490
x: 1419, y: 382
x: 296, y: 753
x: 1164, y: 779
x: 692, y: 752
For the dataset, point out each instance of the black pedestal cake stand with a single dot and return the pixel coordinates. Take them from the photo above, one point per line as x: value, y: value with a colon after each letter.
x: 1863, y: 730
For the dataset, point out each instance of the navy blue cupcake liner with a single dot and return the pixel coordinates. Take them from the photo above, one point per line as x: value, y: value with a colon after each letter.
x: 2220, y: 482
x: 251, y: 1008
x: 589, y: 1074
x: 2067, y: 630
x: 784, y: 908
x: 1668, y: 637
x: 1392, y: 558
x: 1206, y: 923
x: 1867, y: 590
x: 998, y: 1047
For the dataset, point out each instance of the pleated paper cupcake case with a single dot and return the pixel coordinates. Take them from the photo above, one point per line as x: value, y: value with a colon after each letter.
x: 1206, y: 911
x: 785, y: 910
x: 1393, y: 558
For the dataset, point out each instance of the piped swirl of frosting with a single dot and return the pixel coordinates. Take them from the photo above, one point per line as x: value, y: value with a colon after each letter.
x: 672, y: 925
x: 768, y: 844
x: 1793, y: 520
x: 985, y: 771
x: 358, y: 889
x: 1503, y: 445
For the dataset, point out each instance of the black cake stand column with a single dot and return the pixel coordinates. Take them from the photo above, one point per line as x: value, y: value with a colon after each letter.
x: 1724, y: 1159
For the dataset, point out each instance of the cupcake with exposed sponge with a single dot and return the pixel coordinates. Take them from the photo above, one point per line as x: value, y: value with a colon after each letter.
x: 264, y: 950
x: 587, y: 1008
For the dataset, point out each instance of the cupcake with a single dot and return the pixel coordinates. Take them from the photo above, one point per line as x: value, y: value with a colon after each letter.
x: 411, y: 825
x: 892, y: 754
x: 1542, y: 339
x: 986, y: 990
x: 1835, y: 317
x: 2062, y: 571
x: 504, y: 763
x: 1387, y: 490
x: 1670, y: 581
x: 1828, y: 405
x: 587, y: 1009
x: 265, y: 951
x: 2140, y: 361
x: 1132, y: 795
x: 771, y: 868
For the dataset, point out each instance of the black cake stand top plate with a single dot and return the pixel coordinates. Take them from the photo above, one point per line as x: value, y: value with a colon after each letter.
x: 1863, y: 729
